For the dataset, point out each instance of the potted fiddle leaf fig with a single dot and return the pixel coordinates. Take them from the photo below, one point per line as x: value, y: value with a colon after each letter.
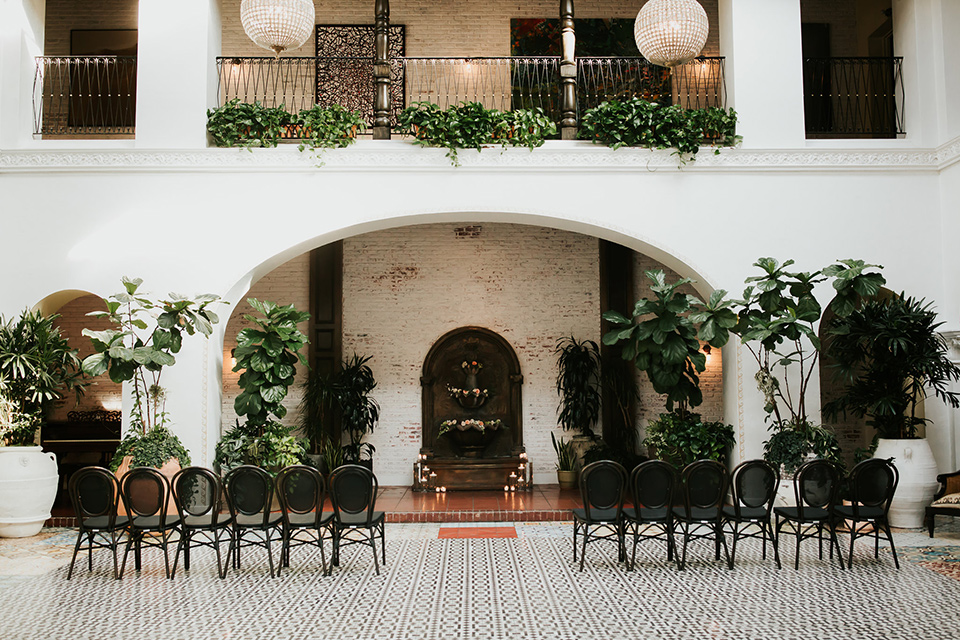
x: 666, y: 338
x: 147, y: 335
x: 267, y: 355
x: 37, y: 367
x: 777, y: 323
x: 890, y: 357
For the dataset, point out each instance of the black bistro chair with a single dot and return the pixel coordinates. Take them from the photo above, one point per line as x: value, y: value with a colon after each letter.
x: 653, y: 484
x: 147, y: 497
x: 815, y: 488
x: 704, y: 486
x: 754, y: 485
x: 302, y: 493
x: 353, y: 492
x: 198, y: 493
x: 94, y: 492
x: 872, y: 484
x: 603, y: 486
x: 250, y: 495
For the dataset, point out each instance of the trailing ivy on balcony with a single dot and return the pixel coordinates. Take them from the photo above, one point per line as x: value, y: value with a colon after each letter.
x: 245, y: 125
x: 469, y: 125
x: 638, y: 123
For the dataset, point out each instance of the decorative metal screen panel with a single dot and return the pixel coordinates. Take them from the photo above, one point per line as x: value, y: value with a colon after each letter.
x: 345, y: 55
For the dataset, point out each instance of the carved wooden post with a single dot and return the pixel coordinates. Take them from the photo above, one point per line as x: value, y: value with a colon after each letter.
x: 381, y: 71
x: 568, y: 73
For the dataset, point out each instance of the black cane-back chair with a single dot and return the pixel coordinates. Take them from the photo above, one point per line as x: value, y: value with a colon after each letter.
x: 754, y: 485
x: 872, y: 484
x: 704, y: 487
x: 302, y: 493
x: 946, y: 502
x: 652, y: 484
x: 815, y: 488
x: 353, y: 492
x: 94, y: 492
x: 603, y: 487
x: 146, y: 495
x: 198, y: 493
x: 250, y: 495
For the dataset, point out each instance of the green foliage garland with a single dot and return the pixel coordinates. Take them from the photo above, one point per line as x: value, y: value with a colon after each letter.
x: 469, y: 125
x: 332, y: 127
x: 241, y: 124
x: 638, y: 123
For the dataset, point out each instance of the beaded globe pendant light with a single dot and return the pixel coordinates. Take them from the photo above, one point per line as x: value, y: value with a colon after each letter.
x: 671, y: 32
x: 278, y: 25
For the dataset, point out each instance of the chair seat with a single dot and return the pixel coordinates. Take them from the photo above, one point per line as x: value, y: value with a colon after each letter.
x: 810, y: 514
x: 203, y: 522
x: 596, y: 515
x: 746, y: 513
x: 697, y: 514
x: 152, y: 523
x: 864, y: 513
x: 103, y: 523
x: 256, y: 520
x: 360, y: 519
x: 308, y: 519
x: 647, y: 514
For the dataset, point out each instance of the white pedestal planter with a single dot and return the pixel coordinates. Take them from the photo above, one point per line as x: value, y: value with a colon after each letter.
x: 28, y: 487
x: 918, y: 479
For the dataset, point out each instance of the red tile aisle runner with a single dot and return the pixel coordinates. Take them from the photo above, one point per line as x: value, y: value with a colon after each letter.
x: 477, y: 532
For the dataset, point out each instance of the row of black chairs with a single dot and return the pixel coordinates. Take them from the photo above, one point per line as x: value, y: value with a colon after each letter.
x: 202, y: 510
x: 692, y: 503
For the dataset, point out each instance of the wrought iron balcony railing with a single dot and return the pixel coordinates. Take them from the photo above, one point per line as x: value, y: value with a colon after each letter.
x: 505, y: 83
x: 85, y: 96
x: 853, y: 97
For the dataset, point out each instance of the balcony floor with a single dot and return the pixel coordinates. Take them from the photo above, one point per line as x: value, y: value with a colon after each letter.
x: 516, y: 581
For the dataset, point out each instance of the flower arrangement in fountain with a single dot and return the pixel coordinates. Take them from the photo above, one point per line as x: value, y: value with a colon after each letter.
x: 480, y: 425
x: 468, y: 394
x: 471, y: 396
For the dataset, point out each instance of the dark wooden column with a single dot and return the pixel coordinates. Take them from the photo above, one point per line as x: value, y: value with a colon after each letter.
x: 616, y: 293
x: 568, y: 73
x: 381, y: 71
x: 326, y: 314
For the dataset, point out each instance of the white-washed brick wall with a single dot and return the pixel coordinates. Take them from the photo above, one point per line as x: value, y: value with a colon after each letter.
x: 711, y: 380
x: 287, y: 284
x: 405, y: 288
x: 65, y: 15
x: 101, y: 392
x: 447, y: 27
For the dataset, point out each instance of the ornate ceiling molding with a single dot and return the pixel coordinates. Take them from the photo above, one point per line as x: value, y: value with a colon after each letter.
x: 403, y: 156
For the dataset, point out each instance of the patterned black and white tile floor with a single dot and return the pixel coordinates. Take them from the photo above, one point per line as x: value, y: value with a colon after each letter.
x: 526, y: 588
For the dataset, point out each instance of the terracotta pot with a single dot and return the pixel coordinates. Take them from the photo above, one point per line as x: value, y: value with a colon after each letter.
x: 28, y: 487
x: 918, y: 479
x: 169, y: 469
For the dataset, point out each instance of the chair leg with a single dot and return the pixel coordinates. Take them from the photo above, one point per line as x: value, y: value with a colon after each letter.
x: 776, y: 545
x: 90, y: 551
x: 114, y: 543
x: 164, y: 539
x: 184, y: 539
x: 126, y: 551
x: 76, y: 549
x: 835, y: 542
x: 893, y: 549
x: 269, y: 554
x: 686, y: 537
x: 575, y: 527
x: 583, y: 549
x: 221, y: 570
x: 373, y: 545
x: 931, y: 520
x: 733, y: 548
x: 383, y: 542
x: 853, y: 537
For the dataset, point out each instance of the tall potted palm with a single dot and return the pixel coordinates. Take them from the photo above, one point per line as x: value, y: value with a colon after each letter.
x: 890, y: 357
x: 37, y: 367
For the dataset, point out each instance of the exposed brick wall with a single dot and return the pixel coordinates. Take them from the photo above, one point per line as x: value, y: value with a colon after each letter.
x: 711, y: 380
x: 65, y: 15
x: 287, y: 284
x: 101, y: 393
x: 841, y: 15
x: 405, y: 288
x: 447, y: 27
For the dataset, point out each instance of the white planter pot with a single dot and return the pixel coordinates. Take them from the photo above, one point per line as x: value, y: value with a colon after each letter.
x: 28, y: 487
x: 918, y: 479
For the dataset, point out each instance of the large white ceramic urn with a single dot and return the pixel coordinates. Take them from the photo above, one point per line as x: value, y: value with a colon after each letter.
x: 28, y: 487
x: 918, y: 479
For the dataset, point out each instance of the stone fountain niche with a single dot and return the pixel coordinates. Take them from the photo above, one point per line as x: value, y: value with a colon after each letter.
x: 471, y: 374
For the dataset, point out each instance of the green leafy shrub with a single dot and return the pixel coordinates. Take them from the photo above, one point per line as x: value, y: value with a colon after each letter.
x: 332, y: 127
x: 152, y: 449
x: 790, y: 444
x: 682, y: 439
x: 270, y: 445
x: 241, y: 124
x: 470, y: 125
x: 638, y: 123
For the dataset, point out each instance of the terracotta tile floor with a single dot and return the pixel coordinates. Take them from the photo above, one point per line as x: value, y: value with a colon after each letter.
x: 477, y: 533
x: 544, y: 502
